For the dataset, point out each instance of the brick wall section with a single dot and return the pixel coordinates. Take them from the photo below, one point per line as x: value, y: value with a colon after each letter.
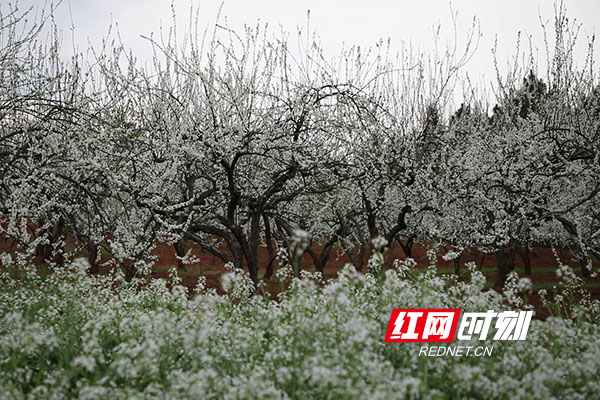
x: 542, y: 259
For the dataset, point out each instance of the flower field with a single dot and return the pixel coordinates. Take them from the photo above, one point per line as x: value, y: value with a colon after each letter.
x: 70, y: 334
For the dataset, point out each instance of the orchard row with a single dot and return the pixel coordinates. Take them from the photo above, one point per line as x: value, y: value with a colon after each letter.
x: 239, y: 141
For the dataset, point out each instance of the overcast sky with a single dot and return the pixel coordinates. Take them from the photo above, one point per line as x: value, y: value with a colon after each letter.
x: 336, y: 21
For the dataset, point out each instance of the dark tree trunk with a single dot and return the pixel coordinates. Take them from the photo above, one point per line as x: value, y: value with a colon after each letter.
x: 582, y: 257
x: 320, y: 261
x: 236, y: 251
x: 315, y: 259
x: 407, y: 247
x: 47, y: 252
x: 358, y: 258
x: 270, y: 250
x: 58, y: 237
x: 44, y: 250
x: 583, y: 261
x: 456, y: 263
x: 92, y: 257
x: 253, y: 269
x: 180, y: 250
x: 231, y: 237
x: 129, y: 271
x: 506, y: 263
x: 526, y: 257
x: 252, y: 251
x: 270, y: 267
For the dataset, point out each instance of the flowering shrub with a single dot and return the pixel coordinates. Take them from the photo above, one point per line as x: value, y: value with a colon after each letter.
x: 69, y: 334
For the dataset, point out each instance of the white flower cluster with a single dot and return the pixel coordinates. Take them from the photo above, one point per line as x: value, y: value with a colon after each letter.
x: 73, y: 335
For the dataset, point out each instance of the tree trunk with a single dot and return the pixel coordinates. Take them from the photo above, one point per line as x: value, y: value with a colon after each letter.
x: 506, y: 263
x: 357, y: 258
x: 525, y: 256
x: 47, y: 252
x: 320, y: 261
x: 315, y: 259
x: 583, y: 261
x: 270, y: 268
x: 408, y: 246
x: 129, y: 271
x: 57, y: 237
x: 270, y: 251
x: 44, y: 250
x: 482, y: 261
x: 180, y: 249
x: 252, y: 253
x: 92, y: 257
x: 456, y: 263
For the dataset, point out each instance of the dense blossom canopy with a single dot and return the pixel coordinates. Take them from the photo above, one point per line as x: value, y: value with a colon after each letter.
x: 238, y: 141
